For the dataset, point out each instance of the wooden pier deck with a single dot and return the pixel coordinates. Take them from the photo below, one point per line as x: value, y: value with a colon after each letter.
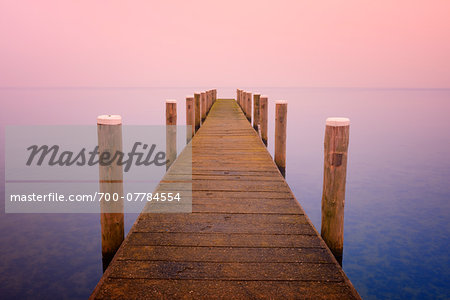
x: 247, y: 236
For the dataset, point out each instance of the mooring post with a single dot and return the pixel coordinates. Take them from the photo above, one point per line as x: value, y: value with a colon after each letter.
x: 203, y: 105
x: 263, y: 117
x: 109, y: 131
x: 249, y: 107
x: 244, y: 103
x: 237, y: 96
x: 211, y: 95
x: 190, y: 127
x: 206, y: 102
x: 334, y: 176
x: 171, y: 132
x: 210, y: 101
x: 256, y: 111
x: 197, y: 115
x: 280, y: 135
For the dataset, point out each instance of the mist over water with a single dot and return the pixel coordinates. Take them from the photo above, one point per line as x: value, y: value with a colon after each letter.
x: 397, y: 199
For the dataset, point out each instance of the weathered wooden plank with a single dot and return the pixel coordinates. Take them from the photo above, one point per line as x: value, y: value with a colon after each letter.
x: 225, y: 254
x: 225, y: 271
x: 241, y: 194
x: 222, y: 177
x: 229, y: 185
x: 224, y: 240
x: 201, y: 218
x: 122, y: 288
x: 222, y: 227
x: 249, y: 208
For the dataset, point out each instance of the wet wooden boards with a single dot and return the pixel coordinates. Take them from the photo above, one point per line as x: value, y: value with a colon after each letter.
x: 247, y: 236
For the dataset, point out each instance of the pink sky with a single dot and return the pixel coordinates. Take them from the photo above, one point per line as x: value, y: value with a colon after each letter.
x: 388, y: 43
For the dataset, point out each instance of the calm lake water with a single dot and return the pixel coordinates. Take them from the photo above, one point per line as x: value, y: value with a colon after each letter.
x: 397, y: 201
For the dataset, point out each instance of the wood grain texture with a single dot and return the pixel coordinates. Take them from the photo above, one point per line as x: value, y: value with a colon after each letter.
x: 256, y: 111
x: 247, y: 236
x: 263, y: 116
x: 280, y: 135
x: 238, y: 94
x: 111, y: 182
x: 197, y: 112
x: 171, y: 132
x: 190, y: 127
x: 334, y: 177
x: 203, y: 105
x: 249, y: 106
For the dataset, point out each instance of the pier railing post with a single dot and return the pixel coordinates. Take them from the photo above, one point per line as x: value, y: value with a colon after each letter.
x: 334, y: 176
x: 203, y: 105
x: 190, y: 129
x: 256, y: 111
x: 210, y: 99
x: 263, y: 118
x: 244, y: 102
x: 280, y: 135
x: 240, y: 98
x: 171, y: 132
x: 249, y: 107
x: 197, y: 111
x: 237, y: 97
x: 109, y: 130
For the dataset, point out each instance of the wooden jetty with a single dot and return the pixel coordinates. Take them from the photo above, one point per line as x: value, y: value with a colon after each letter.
x: 247, y: 236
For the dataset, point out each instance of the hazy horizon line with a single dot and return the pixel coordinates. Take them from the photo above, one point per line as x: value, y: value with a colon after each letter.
x: 87, y: 87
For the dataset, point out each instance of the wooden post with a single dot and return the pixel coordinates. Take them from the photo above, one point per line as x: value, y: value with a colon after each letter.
x: 244, y: 102
x: 263, y: 118
x: 203, y: 105
x: 208, y: 96
x: 109, y: 131
x: 206, y: 102
x: 249, y: 107
x: 171, y: 132
x: 280, y: 135
x: 256, y: 109
x: 197, y: 111
x: 215, y: 95
x: 190, y: 129
x: 242, y: 99
x: 211, y: 96
x: 238, y: 94
x: 334, y: 177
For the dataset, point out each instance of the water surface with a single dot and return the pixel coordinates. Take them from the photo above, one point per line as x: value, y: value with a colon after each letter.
x: 397, y: 202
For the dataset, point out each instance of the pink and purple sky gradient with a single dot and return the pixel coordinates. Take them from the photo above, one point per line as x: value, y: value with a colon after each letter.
x: 352, y: 43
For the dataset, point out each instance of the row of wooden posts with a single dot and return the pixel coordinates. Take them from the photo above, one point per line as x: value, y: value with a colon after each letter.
x: 335, y: 161
x: 335, y: 152
x: 197, y: 108
x: 199, y: 105
x: 260, y: 116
